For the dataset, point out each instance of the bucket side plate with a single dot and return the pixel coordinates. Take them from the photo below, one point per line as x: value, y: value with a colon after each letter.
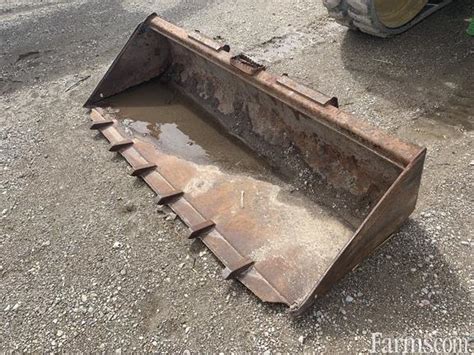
x: 144, y: 56
x: 384, y: 220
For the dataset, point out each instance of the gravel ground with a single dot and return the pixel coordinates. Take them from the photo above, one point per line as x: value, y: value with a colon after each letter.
x: 89, y: 262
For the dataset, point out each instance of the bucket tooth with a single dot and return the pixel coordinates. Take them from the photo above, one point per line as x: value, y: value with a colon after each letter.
x: 164, y: 199
x: 231, y: 272
x: 201, y: 228
x: 142, y: 169
x: 116, y: 146
x: 101, y: 124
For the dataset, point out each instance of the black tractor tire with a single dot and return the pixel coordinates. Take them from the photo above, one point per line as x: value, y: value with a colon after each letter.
x: 361, y: 15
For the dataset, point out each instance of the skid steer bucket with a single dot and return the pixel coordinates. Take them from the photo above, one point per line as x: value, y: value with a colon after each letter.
x: 289, y: 192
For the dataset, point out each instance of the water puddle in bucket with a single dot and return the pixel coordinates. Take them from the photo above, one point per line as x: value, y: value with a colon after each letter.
x: 178, y: 127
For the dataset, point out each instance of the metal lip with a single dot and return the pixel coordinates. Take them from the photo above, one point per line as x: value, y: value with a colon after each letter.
x: 397, y: 151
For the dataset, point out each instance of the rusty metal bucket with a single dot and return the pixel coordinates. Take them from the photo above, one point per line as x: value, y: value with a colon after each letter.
x: 347, y: 186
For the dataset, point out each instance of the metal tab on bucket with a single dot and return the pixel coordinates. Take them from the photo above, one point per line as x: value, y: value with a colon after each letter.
x: 246, y: 64
x: 310, y: 94
x: 198, y: 37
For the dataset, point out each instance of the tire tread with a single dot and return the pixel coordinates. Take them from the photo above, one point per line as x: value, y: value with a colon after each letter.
x: 355, y: 14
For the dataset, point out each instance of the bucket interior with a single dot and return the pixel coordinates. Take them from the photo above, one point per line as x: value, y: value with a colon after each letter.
x: 285, y: 189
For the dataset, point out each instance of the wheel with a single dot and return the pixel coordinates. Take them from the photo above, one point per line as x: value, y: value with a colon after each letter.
x: 382, y: 18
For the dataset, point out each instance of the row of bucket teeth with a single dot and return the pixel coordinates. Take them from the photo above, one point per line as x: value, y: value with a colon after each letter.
x: 167, y: 194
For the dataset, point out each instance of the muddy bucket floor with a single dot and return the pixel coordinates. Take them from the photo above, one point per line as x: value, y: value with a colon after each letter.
x: 287, y: 238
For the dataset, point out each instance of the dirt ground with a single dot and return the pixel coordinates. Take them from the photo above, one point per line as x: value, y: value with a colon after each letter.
x: 87, y: 260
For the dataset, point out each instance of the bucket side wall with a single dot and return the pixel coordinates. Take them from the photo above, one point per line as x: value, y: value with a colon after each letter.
x: 146, y: 55
x: 385, y: 219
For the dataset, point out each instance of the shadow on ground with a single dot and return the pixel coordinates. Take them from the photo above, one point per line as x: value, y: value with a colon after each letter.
x: 429, y: 67
x: 394, y: 286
